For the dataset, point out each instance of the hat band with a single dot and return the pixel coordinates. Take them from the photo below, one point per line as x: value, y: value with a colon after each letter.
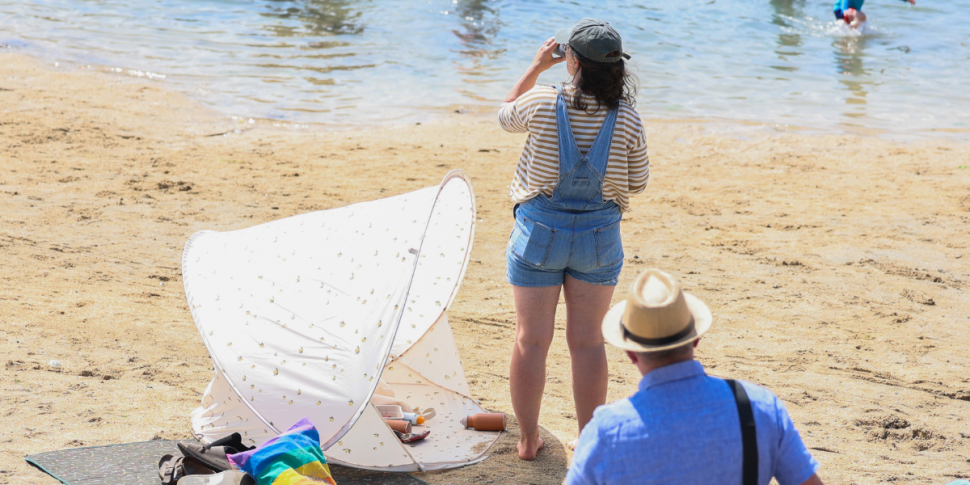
x: 656, y: 342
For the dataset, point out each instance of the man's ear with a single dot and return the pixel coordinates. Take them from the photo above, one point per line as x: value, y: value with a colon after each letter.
x: 633, y: 357
x: 696, y: 342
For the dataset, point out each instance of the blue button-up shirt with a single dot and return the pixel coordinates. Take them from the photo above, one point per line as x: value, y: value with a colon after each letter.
x: 682, y: 428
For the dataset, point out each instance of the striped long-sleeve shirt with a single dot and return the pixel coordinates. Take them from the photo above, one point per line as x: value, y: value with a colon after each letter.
x: 538, y: 170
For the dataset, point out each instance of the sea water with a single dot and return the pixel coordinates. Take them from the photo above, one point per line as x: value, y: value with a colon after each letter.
x: 785, y: 62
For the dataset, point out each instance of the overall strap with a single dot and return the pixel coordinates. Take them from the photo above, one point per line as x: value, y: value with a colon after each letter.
x: 568, y: 150
x: 749, y: 437
x: 599, y: 154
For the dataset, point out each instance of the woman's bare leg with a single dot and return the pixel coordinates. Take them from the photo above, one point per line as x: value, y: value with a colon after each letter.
x: 586, y: 305
x: 535, y: 324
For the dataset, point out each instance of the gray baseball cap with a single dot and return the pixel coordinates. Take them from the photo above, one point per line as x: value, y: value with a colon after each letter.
x: 593, y: 39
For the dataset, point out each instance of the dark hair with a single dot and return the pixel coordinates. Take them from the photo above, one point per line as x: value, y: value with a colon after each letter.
x: 667, y: 355
x: 608, y: 82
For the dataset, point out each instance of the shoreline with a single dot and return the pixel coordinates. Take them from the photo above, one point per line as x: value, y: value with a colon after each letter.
x: 420, y: 114
x: 837, y: 267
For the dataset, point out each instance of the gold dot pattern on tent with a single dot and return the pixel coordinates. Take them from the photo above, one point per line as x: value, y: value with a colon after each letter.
x: 244, y: 325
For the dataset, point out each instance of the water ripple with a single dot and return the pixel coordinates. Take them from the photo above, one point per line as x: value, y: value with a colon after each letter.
x: 342, y: 61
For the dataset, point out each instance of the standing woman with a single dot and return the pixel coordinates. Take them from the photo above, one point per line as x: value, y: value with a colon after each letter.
x: 585, y: 155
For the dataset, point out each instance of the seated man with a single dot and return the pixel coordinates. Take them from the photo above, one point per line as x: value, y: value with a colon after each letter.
x: 684, y: 427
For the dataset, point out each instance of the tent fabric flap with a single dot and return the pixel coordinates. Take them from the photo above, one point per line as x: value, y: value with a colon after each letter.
x: 435, y: 357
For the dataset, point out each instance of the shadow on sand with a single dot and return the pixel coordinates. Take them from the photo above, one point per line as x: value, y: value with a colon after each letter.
x: 504, y: 466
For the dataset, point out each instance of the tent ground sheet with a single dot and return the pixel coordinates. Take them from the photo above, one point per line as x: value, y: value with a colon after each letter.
x: 137, y: 464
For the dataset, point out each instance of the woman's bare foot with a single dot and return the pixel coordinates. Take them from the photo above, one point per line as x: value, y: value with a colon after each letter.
x: 528, y: 449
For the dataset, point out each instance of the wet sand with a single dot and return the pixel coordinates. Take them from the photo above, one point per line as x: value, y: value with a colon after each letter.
x: 837, y: 267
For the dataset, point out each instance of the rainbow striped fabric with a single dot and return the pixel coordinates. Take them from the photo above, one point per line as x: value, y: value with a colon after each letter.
x: 292, y: 458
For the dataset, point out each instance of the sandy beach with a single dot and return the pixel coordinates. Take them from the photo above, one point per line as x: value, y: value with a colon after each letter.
x: 837, y: 267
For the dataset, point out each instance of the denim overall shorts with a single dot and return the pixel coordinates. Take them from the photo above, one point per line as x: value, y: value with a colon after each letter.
x: 573, y: 232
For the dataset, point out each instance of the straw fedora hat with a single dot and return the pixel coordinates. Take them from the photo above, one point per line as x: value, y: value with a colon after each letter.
x: 658, y: 315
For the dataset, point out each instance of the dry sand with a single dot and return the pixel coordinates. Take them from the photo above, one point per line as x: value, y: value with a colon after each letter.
x: 837, y: 267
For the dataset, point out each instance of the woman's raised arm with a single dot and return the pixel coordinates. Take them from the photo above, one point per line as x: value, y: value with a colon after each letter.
x: 541, y: 63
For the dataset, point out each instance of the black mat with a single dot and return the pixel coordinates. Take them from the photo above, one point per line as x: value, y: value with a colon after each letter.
x: 137, y: 464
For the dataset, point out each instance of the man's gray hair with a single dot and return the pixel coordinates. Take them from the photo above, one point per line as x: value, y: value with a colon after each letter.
x: 667, y: 354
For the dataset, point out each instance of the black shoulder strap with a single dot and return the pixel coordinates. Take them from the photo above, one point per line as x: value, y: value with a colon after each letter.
x: 749, y: 437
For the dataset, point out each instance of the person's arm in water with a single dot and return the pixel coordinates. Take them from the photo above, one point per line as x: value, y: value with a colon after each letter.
x: 842, y: 8
x: 542, y: 62
x: 854, y: 17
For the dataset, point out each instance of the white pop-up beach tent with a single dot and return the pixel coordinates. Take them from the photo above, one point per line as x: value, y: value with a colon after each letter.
x: 304, y: 316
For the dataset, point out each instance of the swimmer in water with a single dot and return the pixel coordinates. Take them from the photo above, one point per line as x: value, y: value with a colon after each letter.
x: 851, y: 12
